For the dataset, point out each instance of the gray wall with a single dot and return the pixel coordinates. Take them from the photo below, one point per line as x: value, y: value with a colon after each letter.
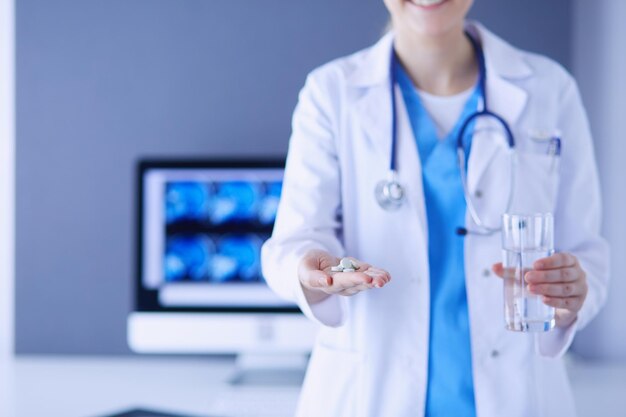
x: 599, y: 63
x: 101, y: 83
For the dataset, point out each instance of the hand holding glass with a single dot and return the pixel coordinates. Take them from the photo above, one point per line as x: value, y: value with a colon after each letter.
x: 525, y: 239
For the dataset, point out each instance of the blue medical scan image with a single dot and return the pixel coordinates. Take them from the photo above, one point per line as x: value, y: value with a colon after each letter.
x: 268, y: 206
x: 186, y: 201
x: 235, y: 202
x: 222, y: 203
x: 237, y: 259
x: 217, y: 259
x: 214, y: 230
x: 187, y: 258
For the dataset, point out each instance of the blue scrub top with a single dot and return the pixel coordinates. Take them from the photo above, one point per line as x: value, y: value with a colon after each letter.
x: 450, y: 390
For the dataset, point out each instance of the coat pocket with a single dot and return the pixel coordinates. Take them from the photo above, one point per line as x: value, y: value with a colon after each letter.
x: 536, y: 183
x: 331, y: 384
x: 528, y: 180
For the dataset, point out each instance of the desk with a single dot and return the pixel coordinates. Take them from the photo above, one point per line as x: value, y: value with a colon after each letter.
x: 91, y: 387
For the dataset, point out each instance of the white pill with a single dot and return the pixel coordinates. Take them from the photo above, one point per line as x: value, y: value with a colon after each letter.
x: 346, y: 263
x: 336, y: 268
x: 349, y: 270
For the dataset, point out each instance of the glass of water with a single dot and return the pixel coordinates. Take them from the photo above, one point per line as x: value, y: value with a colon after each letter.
x: 525, y: 239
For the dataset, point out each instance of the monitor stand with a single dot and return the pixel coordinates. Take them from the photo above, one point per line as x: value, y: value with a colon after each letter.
x: 269, y: 369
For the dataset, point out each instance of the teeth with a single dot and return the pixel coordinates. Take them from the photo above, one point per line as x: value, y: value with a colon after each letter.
x: 427, y: 2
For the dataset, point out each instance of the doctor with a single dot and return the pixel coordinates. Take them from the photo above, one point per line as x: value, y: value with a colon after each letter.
x: 418, y: 328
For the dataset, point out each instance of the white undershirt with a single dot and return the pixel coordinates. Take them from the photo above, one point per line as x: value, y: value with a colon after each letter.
x: 444, y: 110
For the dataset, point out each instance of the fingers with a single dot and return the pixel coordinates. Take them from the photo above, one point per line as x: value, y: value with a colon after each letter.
x: 350, y: 283
x: 567, y: 303
x: 319, y: 280
x: 558, y: 290
x: 503, y: 272
x: 315, y: 279
x: 558, y: 260
x: 560, y: 267
x: 565, y: 274
x: 380, y: 277
x: 558, y: 279
x: 350, y: 279
x: 498, y: 269
x: 315, y: 273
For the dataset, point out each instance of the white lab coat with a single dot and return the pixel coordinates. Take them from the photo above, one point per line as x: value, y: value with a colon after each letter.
x: 371, y: 355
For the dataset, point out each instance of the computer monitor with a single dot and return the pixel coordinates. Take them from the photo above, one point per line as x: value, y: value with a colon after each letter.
x: 199, y: 288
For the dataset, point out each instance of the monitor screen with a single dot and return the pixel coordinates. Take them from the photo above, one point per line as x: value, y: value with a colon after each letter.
x: 201, y: 228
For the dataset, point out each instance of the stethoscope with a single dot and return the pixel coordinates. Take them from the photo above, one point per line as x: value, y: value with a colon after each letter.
x: 391, y: 194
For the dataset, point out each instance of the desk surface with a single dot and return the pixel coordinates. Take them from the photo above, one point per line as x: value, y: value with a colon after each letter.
x: 92, y: 387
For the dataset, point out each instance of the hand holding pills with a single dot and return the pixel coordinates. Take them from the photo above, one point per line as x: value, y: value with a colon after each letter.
x: 322, y: 274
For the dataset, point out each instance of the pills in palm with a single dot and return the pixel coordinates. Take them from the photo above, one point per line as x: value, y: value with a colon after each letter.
x: 345, y: 265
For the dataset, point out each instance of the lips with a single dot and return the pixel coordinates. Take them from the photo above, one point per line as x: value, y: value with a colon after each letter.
x: 427, y: 3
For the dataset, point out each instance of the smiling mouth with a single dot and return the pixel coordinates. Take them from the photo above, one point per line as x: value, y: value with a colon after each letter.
x: 427, y: 3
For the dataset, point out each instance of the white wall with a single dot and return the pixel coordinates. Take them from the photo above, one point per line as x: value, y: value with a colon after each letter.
x: 599, y: 64
x: 7, y: 169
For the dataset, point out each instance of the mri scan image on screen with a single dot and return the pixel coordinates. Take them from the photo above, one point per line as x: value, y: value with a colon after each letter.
x: 203, y: 229
x: 214, y: 231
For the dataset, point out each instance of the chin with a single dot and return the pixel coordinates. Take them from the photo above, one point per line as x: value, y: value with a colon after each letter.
x: 433, y: 28
x: 434, y: 17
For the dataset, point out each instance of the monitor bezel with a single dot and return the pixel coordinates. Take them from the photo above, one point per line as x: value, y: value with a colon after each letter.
x: 147, y: 300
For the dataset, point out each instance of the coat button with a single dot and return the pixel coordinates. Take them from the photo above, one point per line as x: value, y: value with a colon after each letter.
x: 478, y: 194
x: 495, y: 353
x: 486, y: 272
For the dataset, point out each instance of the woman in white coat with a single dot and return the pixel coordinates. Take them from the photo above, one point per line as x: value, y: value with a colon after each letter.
x: 417, y: 329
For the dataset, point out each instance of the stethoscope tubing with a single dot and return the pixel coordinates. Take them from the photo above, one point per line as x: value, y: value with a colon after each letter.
x: 385, y: 199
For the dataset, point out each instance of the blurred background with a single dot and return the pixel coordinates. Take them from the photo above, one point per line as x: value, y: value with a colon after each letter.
x: 97, y: 84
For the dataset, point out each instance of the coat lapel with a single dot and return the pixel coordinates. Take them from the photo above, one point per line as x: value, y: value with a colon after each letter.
x: 409, y: 165
x: 503, y: 65
x: 372, y: 107
x: 371, y: 96
x: 372, y: 112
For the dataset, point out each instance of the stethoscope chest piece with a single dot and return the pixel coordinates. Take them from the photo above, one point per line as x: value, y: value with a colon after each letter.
x: 390, y: 194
